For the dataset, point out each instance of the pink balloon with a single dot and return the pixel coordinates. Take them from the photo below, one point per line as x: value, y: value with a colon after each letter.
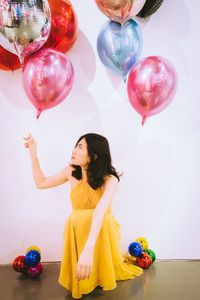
x: 47, y: 78
x: 151, y: 85
x: 35, y: 272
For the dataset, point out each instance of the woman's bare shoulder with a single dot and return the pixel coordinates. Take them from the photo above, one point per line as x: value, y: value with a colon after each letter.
x: 108, y: 180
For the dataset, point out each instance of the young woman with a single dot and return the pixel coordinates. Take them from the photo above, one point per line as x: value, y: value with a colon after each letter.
x: 91, y: 254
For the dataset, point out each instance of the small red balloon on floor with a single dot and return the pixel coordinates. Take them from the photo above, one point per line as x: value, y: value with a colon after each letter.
x: 144, y: 260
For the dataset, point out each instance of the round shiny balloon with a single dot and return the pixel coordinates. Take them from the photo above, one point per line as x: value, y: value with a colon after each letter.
x: 117, y: 10
x: 119, y: 46
x: 151, y: 85
x: 143, y: 242
x: 24, y: 26
x: 144, y: 260
x: 34, y: 272
x: 32, y: 258
x: 135, y: 249
x: 151, y: 253
x: 8, y: 60
x: 47, y: 78
x: 19, y: 264
x: 33, y: 248
x: 150, y: 7
x: 64, y: 25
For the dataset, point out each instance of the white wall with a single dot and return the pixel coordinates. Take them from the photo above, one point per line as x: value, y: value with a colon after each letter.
x: 158, y: 197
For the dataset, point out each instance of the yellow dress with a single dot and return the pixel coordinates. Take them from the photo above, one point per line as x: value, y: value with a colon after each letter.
x: 109, y: 264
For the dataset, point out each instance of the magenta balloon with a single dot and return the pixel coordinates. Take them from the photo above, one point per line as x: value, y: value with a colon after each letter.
x: 151, y: 85
x: 47, y: 78
x: 35, y: 272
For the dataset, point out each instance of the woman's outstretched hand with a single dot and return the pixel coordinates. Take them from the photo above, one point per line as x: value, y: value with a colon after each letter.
x: 30, y: 143
x: 84, y: 265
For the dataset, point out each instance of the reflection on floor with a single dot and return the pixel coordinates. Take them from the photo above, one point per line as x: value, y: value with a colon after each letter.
x: 164, y: 280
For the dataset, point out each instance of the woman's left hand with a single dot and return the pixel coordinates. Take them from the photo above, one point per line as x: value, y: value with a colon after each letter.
x: 84, y: 265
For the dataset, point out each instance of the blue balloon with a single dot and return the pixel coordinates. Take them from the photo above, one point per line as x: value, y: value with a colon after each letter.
x: 119, y: 46
x: 135, y: 249
x: 32, y: 258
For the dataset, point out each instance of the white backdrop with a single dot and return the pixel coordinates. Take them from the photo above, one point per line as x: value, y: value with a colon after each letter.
x: 158, y: 196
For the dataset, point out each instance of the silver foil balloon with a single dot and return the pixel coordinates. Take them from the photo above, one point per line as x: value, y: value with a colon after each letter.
x: 119, y: 46
x: 24, y: 25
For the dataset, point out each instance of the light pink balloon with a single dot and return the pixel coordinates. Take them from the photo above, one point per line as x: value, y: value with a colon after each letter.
x: 47, y: 78
x: 151, y: 85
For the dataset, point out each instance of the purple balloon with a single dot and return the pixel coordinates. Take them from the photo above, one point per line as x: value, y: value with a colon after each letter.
x: 119, y: 46
x: 47, y: 78
x: 35, y: 272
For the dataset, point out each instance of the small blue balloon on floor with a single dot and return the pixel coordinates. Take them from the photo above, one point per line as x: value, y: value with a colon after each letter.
x: 135, y: 249
x: 32, y: 258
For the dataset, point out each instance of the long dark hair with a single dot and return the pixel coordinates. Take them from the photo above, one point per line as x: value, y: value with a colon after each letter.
x: 149, y: 8
x: 100, y: 160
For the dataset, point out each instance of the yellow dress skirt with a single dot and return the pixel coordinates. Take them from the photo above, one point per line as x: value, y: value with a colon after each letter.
x: 109, y: 264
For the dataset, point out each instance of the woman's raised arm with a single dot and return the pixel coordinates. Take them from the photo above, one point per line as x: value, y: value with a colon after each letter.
x: 41, y: 181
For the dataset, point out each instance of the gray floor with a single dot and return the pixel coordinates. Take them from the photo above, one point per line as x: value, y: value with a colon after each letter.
x: 164, y: 280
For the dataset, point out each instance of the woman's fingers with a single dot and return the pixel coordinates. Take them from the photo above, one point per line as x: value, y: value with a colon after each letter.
x: 31, y: 137
x: 87, y: 272
x: 83, y: 272
x: 26, y: 138
x: 80, y: 271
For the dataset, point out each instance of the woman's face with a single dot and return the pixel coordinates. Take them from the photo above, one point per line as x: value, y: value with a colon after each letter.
x: 80, y: 155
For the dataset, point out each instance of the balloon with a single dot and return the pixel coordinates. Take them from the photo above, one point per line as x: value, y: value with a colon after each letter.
x: 117, y: 10
x: 64, y: 25
x: 35, y: 272
x: 8, y: 61
x: 33, y: 248
x: 119, y: 46
x: 135, y: 249
x: 144, y: 261
x: 143, y: 242
x: 137, y: 6
x: 150, y: 7
x: 19, y: 264
x: 24, y: 26
x: 151, y: 253
x: 151, y: 85
x: 47, y: 78
x: 32, y: 258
